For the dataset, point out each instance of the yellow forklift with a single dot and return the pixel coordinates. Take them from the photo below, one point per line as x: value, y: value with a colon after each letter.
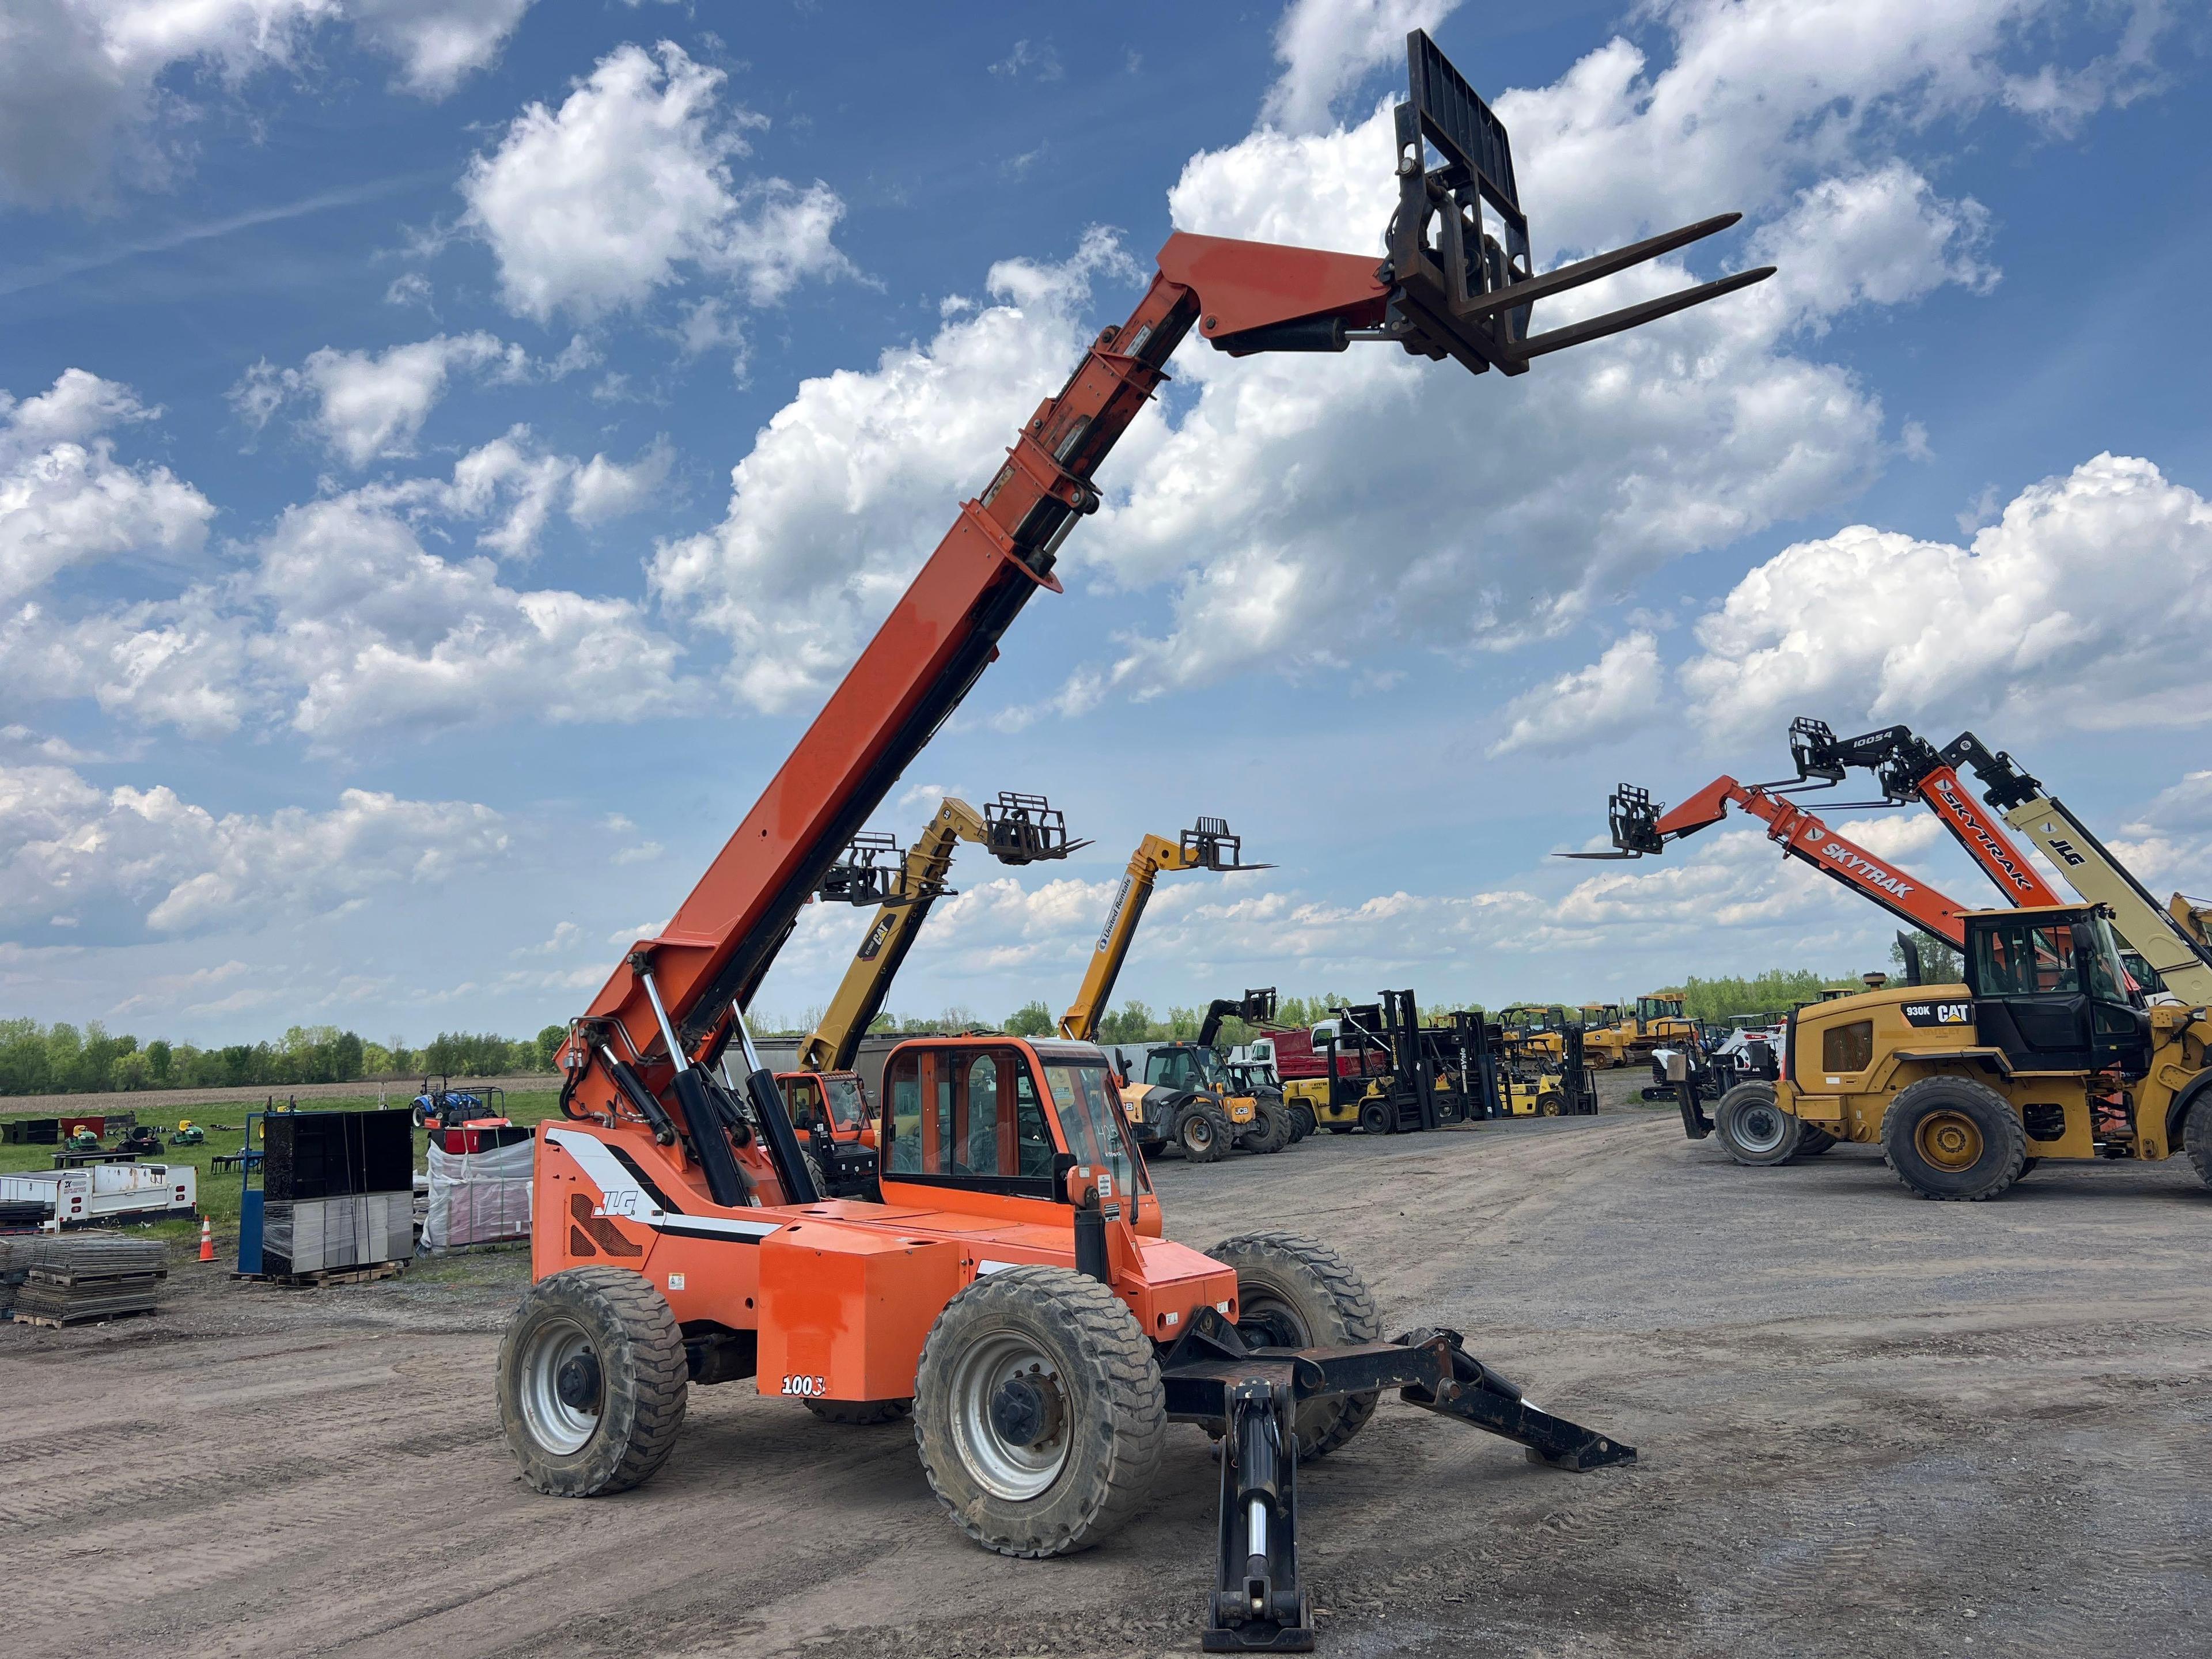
x: 1179, y: 1108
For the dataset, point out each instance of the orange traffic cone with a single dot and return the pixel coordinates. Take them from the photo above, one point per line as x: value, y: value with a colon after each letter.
x: 207, y: 1239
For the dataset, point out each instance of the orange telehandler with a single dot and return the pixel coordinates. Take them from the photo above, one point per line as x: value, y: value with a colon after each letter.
x: 1014, y: 1290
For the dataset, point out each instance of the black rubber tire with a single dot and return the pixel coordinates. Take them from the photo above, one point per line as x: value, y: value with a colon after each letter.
x: 1378, y: 1117
x: 2196, y: 1135
x: 1302, y: 1122
x: 1270, y: 1130
x: 2027, y: 1167
x: 1752, y: 1129
x: 1329, y: 1306
x: 1812, y: 1142
x: 644, y: 1380
x: 2004, y: 1139
x: 1203, y: 1132
x: 861, y: 1413
x: 1551, y: 1104
x: 1110, y: 1373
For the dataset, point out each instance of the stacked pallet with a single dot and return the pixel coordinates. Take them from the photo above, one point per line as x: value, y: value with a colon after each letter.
x: 68, y: 1282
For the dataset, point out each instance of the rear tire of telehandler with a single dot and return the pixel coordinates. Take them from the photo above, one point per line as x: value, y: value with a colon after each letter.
x: 1203, y: 1132
x: 1952, y: 1138
x: 1048, y: 1351
x: 592, y: 1382
x: 1753, y: 1129
x: 860, y: 1414
x: 1292, y: 1292
x: 1303, y: 1121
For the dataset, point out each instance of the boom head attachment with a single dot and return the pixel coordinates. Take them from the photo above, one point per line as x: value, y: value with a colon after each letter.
x: 1898, y: 758
x: 1634, y: 818
x: 1020, y: 829
x: 1208, y: 845
x: 871, y: 873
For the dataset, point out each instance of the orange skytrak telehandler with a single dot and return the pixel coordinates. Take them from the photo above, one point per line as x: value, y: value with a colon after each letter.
x: 822, y: 1092
x: 1013, y: 1289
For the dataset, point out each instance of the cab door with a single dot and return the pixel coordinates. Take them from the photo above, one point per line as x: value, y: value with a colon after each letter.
x: 966, y: 1117
x: 2031, y: 998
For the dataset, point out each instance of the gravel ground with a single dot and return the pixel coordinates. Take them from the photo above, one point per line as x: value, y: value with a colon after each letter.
x: 1868, y: 1424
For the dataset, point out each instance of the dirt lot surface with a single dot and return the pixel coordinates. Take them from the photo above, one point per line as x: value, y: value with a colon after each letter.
x: 1868, y: 1425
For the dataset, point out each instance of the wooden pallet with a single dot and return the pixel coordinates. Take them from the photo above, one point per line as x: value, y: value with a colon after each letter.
x: 58, y: 1321
x: 373, y: 1271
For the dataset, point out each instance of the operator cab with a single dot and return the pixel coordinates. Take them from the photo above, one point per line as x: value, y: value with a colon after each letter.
x: 1183, y: 1066
x: 2050, y: 990
x: 1005, y: 1118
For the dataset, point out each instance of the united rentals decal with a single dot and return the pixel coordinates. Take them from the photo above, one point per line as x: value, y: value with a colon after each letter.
x: 1978, y: 834
x: 1939, y: 1014
x: 1113, y: 911
x: 1872, y: 874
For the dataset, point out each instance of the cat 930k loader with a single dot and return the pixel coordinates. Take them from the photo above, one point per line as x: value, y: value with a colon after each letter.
x: 1014, y: 1290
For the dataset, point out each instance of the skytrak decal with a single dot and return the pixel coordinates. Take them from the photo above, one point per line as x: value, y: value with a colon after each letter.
x: 1870, y: 873
x: 1113, y: 911
x: 1978, y: 834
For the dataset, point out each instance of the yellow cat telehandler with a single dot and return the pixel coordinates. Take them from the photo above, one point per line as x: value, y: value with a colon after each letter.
x: 2047, y: 1051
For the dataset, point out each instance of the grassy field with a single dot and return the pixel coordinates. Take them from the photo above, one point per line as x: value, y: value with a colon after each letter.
x: 219, y: 1190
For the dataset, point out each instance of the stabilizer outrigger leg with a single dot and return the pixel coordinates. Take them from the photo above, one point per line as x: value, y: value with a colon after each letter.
x: 1249, y: 1396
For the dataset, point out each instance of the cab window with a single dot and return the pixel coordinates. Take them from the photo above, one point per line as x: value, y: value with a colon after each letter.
x: 802, y: 1100
x: 1171, y: 1069
x: 846, y: 1108
x: 2025, y: 958
x: 1090, y: 1118
x: 967, y: 1113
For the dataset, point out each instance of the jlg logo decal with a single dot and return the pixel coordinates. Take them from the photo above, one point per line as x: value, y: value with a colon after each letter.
x: 806, y: 1388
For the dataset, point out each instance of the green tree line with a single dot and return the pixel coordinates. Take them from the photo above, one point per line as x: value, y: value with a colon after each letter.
x: 63, y: 1059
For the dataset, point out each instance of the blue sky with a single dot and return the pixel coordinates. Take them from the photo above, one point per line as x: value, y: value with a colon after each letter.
x: 384, y: 636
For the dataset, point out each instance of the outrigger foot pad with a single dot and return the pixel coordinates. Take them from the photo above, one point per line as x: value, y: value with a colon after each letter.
x: 1250, y: 1395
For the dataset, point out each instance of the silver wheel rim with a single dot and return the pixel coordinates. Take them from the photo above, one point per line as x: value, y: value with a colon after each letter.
x: 1003, y: 1468
x: 1760, y: 1128
x: 1198, y: 1132
x: 553, y: 1423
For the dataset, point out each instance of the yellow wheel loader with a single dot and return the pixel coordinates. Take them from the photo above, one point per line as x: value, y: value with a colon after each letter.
x: 1183, y: 1110
x: 2047, y: 1051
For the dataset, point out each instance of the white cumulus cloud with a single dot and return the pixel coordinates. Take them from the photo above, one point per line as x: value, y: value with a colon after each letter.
x: 90, y: 89
x: 1614, y: 695
x: 66, y: 500
x: 131, y: 860
x: 1326, y: 47
x: 368, y: 406
x: 2085, y: 604
x: 853, y: 481
x: 628, y: 186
